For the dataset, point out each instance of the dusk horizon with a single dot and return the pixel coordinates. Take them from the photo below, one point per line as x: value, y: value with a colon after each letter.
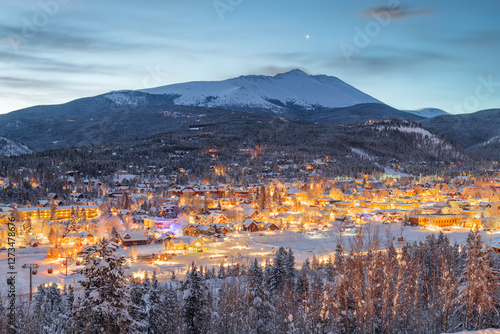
x: 408, y: 55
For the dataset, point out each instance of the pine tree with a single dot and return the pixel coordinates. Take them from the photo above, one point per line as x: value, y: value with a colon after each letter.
x: 53, y: 214
x: 222, y: 272
x: 72, y: 225
x: 171, y: 310
x: 28, y: 227
x: 278, y: 272
x: 289, y: 268
x: 479, y: 284
x: 105, y: 300
x: 137, y: 308
x: 52, y: 235
x: 261, y: 199
x: 156, y: 311
x: 192, y: 309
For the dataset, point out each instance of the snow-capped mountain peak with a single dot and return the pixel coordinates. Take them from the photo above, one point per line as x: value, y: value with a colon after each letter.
x: 271, y: 93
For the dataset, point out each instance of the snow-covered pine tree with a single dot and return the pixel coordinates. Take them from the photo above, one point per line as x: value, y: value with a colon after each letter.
x: 72, y: 224
x: 102, y: 306
x: 171, y: 304
x: 49, y: 310
x: 290, y: 268
x: 257, y: 317
x: 28, y: 227
x: 478, y: 285
x: 137, y: 306
x: 278, y: 271
x: 157, y: 315
x: 192, y: 308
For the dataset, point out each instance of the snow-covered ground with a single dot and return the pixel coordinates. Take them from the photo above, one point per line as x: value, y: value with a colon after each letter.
x: 241, y: 247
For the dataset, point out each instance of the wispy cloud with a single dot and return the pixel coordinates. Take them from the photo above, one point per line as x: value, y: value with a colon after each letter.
x: 396, y: 12
x: 392, y: 59
x: 16, y: 82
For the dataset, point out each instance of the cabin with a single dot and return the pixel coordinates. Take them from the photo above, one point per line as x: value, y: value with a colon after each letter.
x: 270, y: 227
x: 250, y: 226
x: 251, y: 214
x: 205, y: 229
x: 132, y: 238
x: 190, y: 229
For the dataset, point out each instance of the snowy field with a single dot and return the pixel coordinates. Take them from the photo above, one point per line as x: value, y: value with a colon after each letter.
x: 241, y: 247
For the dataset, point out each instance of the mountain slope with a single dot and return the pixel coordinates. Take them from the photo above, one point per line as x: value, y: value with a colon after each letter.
x: 294, y: 88
x: 9, y: 148
x: 427, y: 112
x: 466, y: 129
x: 355, y: 114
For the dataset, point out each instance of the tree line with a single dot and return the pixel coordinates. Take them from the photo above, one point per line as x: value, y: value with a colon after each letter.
x: 368, y: 286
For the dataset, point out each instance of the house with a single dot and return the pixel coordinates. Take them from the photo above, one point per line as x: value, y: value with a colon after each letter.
x: 194, y: 244
x: 132, y: 238
x: 205, y: 229
x: 79, y: 238
x: 170, y: 210
x: 216, y: 218
x: 221, y: 228
x: 189, y: 229
x: 250, y: 214
x: 44, y: 203
x: 168, y: 244
x: 249, y: 225
x: 270, y: 227
x: 177, y: 244
x: 52, y: 196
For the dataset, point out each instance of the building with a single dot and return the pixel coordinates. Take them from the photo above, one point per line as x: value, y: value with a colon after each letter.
x: 132, y: 238
x: 61, y: 212
x: 435, y: 220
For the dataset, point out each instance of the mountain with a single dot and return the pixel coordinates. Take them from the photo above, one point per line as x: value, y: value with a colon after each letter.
x: 427, y: 112
x: 10, y: 147
x: 466, y: 130
x: 266, y: 93
x: 121, y: 115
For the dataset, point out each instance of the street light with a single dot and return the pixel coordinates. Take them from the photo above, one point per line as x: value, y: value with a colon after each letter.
x: 33, y: 270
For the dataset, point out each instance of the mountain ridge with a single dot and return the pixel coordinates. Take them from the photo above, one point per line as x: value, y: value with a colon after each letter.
x: 271, y: 93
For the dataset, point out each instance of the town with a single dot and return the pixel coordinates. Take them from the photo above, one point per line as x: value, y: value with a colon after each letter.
x: 163, y: 227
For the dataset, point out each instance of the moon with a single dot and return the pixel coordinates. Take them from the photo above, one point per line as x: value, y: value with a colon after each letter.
x: 307, y: 36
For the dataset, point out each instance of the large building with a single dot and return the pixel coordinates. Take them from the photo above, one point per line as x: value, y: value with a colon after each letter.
x: 436, y: 220
x: 62, y: 212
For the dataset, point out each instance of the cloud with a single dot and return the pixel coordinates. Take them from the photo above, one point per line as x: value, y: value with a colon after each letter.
x: 481, y: 38
x: 396, y: 12
x: 390, y: 59
x: 17, y: 82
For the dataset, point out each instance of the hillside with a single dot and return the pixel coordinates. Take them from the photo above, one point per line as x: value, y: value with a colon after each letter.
x: 466, y: 130
x: 9, y: 148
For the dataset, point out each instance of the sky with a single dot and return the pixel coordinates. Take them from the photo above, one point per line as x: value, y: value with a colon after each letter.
x: 409, y: 54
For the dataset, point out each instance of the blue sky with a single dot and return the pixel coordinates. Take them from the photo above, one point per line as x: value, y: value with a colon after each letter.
x: 409, y: 54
